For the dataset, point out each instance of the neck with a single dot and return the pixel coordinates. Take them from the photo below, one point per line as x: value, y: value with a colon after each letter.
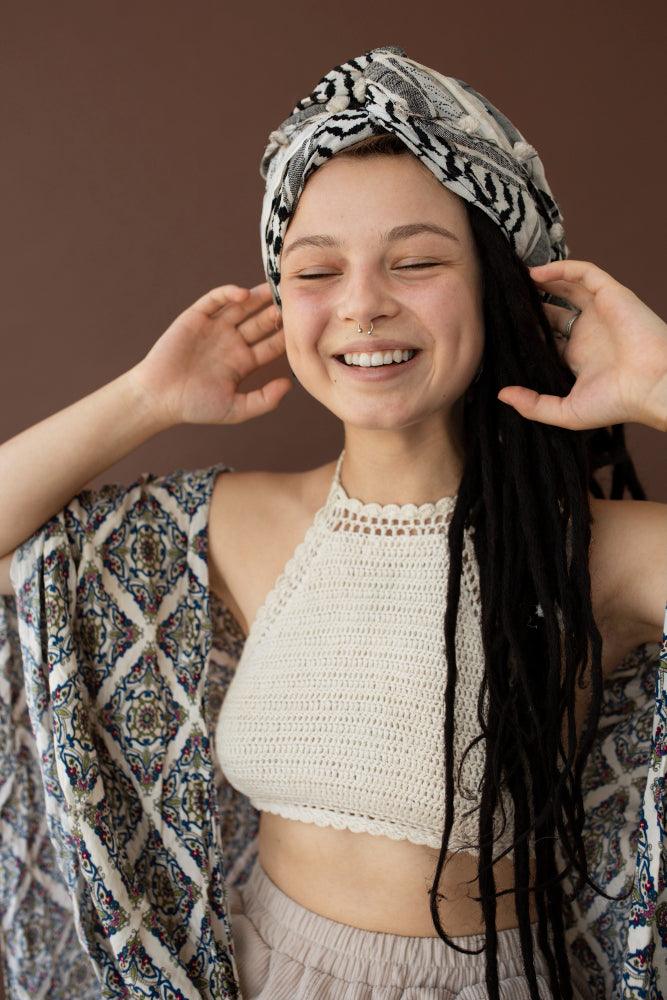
x: 394, y: 468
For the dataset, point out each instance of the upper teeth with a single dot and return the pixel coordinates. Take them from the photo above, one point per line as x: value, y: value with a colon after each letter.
x: 378, y: 358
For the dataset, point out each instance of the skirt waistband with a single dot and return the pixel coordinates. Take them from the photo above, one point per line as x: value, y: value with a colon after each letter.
x: 376, y: 957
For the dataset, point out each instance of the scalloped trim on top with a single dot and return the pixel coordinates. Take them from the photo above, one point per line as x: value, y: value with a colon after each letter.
x: 339, y: 501
x: 405, y: 511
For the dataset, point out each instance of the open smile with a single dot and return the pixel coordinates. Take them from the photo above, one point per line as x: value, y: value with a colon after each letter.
x: 378, y: 373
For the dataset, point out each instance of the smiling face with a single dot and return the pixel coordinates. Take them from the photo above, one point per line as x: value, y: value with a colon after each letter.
x: 368, y: 243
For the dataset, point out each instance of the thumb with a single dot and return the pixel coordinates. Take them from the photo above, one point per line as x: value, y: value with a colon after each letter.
x: 534, y: 406
x: 257, y: 402
x: 276, y: 390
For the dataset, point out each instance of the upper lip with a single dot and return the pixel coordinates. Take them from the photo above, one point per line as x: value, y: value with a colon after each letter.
x: 366, y: 347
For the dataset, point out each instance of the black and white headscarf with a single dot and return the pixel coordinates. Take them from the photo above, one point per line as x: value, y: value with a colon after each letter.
x: 470, y: 146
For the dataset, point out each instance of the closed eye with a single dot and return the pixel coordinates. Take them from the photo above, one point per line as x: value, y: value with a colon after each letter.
x: 406, y: 267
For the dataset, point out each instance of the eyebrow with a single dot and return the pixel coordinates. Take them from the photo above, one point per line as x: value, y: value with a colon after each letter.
x: 397, y: 233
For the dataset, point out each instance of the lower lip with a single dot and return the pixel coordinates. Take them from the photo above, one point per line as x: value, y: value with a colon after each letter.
x: 378, y: 373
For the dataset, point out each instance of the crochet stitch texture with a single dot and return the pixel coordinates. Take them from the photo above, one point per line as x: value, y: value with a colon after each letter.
x: 335, y: 714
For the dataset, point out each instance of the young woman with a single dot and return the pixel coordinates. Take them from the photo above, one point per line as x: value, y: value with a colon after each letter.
x: 454, y: 580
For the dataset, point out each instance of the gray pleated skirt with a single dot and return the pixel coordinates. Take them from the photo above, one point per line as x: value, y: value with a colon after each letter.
x: 286, y: 952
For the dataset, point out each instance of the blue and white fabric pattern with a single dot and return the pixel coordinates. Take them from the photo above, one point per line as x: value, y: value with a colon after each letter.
x: 468, y: 144
x: 120, y: 837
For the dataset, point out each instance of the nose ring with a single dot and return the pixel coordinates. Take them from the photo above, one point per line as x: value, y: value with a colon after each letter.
x: 359, y: 330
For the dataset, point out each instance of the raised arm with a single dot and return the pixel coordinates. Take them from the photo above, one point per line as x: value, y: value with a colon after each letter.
x: 190, y: 375
x: 617, y: 349
x: 46, y: 465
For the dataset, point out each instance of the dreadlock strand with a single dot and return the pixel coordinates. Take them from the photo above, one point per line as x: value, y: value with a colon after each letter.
x: 525, y: 493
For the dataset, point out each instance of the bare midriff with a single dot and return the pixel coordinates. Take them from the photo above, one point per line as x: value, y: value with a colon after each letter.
x: 376, y: 883
x: 361, y: 879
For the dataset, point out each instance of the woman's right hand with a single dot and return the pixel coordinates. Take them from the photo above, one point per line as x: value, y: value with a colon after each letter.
x: 192, y: 373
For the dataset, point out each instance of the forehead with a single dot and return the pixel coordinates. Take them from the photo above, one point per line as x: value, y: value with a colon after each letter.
x: 379, y: 192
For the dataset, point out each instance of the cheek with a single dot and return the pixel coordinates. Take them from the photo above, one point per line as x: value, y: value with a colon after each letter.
x: 453, y: 303
x: 300, y: 338
x: 456, y: 316
x: 304, y: 319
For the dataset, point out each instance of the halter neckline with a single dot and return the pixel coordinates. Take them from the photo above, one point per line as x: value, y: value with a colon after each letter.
x: 340, y: 501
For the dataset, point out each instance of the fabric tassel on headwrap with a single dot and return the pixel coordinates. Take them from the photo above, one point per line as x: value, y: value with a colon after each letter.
x: 470, y: 146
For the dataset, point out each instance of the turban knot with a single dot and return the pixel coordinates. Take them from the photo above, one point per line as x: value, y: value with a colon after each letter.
x: 471, y: 147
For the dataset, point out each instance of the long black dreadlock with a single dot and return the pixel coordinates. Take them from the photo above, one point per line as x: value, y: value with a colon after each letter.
x: 524, y: 494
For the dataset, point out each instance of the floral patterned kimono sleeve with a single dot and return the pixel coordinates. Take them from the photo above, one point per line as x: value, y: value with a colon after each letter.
x: 105, y: 647
x: 618, y: 947
x: 119, y: 836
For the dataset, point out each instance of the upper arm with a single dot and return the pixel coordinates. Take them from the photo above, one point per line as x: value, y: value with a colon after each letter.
x: 242, y: 503
x: 236, y: 518
x: 629, y: 558
x: 253, y: 519
x: 231, y: 513
x: 5, y: 582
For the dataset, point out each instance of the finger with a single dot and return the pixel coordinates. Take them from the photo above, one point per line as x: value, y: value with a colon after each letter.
x: 258, y: 299
x: 592, y: 277
x: 558, y: 317
x: 256, y: 327
x: 576, y: 294
x: 268, y: 350
x: 544, y: 409
x: 259, y: 401
x: 216, y: 298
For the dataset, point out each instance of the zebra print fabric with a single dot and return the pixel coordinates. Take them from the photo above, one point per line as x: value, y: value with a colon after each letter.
x: 470, y: 146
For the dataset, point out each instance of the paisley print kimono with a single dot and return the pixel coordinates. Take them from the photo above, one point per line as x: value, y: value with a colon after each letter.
x: 119, y: 834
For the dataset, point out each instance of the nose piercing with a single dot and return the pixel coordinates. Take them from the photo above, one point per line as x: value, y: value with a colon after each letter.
x: 359, y: 330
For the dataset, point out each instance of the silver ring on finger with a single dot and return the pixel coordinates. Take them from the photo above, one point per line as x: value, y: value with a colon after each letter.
x: 568, y: 326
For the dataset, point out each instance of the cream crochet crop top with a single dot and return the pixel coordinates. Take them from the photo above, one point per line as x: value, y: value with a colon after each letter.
x: 335, y: 714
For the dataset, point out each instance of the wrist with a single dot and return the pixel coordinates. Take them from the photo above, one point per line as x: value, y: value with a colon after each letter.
x: 154, y: 415
x: 655, y: 406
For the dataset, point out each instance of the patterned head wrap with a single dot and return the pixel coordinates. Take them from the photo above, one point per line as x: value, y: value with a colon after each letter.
x: 470, y: 146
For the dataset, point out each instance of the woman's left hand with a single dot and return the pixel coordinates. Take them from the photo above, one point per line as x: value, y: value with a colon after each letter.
x: 617, y: 350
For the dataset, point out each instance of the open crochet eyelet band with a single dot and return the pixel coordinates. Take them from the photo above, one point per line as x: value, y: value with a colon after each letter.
x: 470, y: 146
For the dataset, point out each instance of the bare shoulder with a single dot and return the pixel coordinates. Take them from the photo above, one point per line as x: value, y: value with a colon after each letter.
x: 255, y: 496
x: 628, y: 565
x: 242, y: 503
x: 244, y: 493
x: 256, y: 520
x: 5, y: 582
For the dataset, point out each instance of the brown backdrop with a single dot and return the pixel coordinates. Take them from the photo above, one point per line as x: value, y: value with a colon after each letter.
x: 132, y: 134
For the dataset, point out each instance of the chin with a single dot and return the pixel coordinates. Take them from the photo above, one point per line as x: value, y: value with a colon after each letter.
x: 377, y: 421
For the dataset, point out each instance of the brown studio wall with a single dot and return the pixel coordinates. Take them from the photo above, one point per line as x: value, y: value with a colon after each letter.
x: 130, y: 181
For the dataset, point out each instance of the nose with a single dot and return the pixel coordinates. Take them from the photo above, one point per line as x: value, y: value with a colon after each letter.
x: 365, y: 299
